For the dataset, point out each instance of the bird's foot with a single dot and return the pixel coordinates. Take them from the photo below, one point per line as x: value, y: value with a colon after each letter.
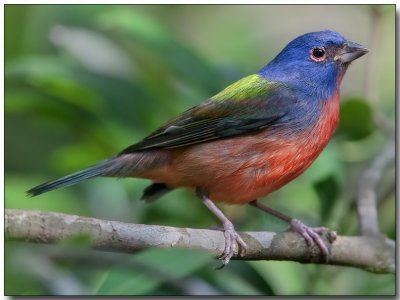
x: 232, y: 240
x: 313, y: 236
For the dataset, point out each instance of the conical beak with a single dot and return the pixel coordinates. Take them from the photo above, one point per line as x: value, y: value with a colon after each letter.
x: 350, y: 51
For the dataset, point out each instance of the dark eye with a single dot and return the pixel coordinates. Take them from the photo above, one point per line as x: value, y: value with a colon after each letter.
x: 318, y: 54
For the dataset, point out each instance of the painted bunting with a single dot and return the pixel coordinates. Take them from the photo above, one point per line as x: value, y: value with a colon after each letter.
x: 247, y: 141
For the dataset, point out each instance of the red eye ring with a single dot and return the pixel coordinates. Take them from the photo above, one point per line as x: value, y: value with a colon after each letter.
x: 318, y: 54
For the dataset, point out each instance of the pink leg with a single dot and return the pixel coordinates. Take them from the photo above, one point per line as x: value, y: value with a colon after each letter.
x: 231, y: 236
x: 311, y: 235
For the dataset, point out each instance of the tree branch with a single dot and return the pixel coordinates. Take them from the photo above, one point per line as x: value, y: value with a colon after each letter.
x: 375, y: 254
x: 367, y: 195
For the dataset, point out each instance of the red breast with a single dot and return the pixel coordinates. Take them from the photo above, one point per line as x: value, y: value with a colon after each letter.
x: 244, y: 168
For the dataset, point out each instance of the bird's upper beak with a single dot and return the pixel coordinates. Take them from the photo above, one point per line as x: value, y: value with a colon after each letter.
x: 350, y: 51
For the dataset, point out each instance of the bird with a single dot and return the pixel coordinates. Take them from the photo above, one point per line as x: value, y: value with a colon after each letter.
x: 248, y: 140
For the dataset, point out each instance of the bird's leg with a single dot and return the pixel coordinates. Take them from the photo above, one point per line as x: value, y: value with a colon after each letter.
x: 231, y: 236
x: 311, y: 235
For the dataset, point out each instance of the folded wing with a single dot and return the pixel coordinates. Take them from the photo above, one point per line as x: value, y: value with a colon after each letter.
x: 250, y: 104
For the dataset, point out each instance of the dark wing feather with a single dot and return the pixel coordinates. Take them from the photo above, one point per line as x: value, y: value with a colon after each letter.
x: 218, y: 119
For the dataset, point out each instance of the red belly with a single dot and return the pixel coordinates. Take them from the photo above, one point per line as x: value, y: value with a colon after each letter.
x: 238, y: 170
x: 242, y: 169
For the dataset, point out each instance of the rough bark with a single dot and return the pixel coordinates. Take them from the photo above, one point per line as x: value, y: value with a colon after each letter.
x: 373, y: 253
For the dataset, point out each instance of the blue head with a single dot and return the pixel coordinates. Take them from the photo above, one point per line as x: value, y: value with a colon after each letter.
x: 314, y: 62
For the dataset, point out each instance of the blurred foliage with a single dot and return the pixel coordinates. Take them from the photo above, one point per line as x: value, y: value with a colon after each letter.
x: 84, y: 81
x: 356, y: 120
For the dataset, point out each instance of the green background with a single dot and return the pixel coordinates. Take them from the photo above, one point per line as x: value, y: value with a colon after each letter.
x: 83, y: 82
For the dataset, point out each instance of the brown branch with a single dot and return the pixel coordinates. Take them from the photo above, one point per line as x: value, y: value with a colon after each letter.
x: 373, y: 253
x: 367, y: 195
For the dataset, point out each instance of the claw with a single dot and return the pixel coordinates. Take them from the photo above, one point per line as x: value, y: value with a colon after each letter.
x: 232, y: 240
x: 312, y: 236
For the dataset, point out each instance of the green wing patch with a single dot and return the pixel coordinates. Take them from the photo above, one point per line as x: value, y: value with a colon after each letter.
x: 249, y: 104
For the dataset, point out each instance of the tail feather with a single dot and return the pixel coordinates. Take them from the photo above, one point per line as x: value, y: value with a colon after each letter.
x: 91, y: 172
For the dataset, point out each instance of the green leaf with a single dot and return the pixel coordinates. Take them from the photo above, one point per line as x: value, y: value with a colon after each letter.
x: 235, y: 283
x: 328, y: 191
x: 283, y: 276
x: 150, y: 269
x: 356, y: 119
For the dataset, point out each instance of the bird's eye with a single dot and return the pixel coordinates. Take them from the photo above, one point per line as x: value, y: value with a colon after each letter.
x: 318, y: 54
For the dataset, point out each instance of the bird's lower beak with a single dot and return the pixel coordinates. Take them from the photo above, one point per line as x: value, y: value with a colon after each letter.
x: 350, y: 51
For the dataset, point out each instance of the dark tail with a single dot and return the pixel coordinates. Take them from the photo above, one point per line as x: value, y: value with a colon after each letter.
x: 91, y: 172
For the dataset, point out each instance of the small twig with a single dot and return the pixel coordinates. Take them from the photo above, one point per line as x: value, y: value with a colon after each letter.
x: 375, y: 254
x: 387, y: 190
x: 367, y: 195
